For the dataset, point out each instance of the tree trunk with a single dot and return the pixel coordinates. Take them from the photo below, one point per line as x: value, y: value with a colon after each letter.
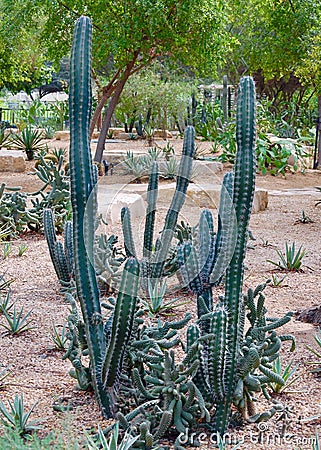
x: 117, y: 90
x: 97, y: 114
x: 319, y: 131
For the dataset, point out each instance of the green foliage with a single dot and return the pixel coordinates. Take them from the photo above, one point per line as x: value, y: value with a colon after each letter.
x: 15, y: 217
x: 285, y: 374
x: 270, y: 29
x: 5, y: 304
x: 15, y: 322
x: 4, y: 284
x: 275, y: 157
x: 291, y: 260
x: 22, y: 249
x: 7, y: 249
x: 317, y: 338
x: 161, y: 95
x: 59, y: 338
x: 51, y: 172
x: 5, y: 137
x: 29, y: 141
x: 304, y: 218
x: 16, y: 418
x: 4, y: 374
x: 276, y: 281
x: 113, y: 443
x: 23, y: 59
x: 155, y: 302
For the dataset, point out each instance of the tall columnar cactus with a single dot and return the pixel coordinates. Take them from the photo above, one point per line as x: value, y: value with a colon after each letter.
x: 82, y: 185
x: 243, y: 192
x: 105, y: 357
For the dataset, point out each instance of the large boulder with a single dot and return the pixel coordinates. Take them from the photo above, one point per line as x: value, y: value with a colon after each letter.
x: 12, y: 161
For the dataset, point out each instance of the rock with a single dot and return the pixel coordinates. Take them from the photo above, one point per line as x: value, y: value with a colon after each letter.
x: 12, y: 161
x: 210, y: 166
x: 312, y: 315
x: 112, y: 198
x: 124, y: 136
x: 163, y: 134
x: 62, y: 135
x: 260, y: 201
x: 208, y: 196
x: 11, y: 131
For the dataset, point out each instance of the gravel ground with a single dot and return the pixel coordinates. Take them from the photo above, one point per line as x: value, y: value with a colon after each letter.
x: 38, y: 371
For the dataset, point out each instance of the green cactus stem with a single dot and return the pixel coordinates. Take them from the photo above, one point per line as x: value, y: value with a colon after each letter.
x: 122, y: 322
x: 82, y: 185
x: 152, y: 192
x: 182, y: 182
x: 243, y: 193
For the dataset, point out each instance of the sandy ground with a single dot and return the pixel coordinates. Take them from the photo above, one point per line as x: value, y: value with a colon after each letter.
x: 38, y: 371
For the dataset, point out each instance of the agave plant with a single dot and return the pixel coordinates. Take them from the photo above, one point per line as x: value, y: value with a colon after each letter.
x: 291, y: 260
x: 4, y: 137
x: 16, y: 418
x: 29, y: 141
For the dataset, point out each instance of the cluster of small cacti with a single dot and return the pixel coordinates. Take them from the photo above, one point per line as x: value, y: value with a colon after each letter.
x: 18, y: 216
x: 108, y: 258
x: 132, y: 364
x: 15, y: 215
x: 50, y: 170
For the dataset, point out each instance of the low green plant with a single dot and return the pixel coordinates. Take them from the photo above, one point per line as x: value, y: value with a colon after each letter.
x: 49, y: 132
x: 22, y: 249
x: 4, y: 284
x: 304, y: 218
x: 7, y: 249
x: 317, y: 338
x: 5, y: 304
x: 5, y: 138
x: 16, y: 418
x: 291, y: 260
x: 169, y: 169
x: 29, y: 141
x: 4, y: 233
x: 285, y: 374
x: 277, y: 281
x: 4, y: 374
x: 101, y: 442
x: 168, y: 150
x: 16, y: 323
x: 59, y: 338
x: 156, y: 304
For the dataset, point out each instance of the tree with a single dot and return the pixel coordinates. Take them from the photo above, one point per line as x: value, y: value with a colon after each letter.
x: 277, y: 39
x: 22, y: 63
x: 130, y: 34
